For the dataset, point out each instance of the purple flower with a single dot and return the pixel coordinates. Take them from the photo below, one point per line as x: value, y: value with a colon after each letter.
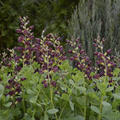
x: 25, y: 32
x: 31, y: 27
x: 109, y: 51
x: 18, y: 90
x: 55, y: 69
x: 18, y: 68
x: 45, y: 85
x: 8, y: 87
x: 22, y: 79
x: 79, y: 46
x: 96, y: 76
x: 53, y: 83
x: 11, y: 93
x: 11, y: 81
x: 21, y: 38
x: 19, y: 99
x: 19, y: 31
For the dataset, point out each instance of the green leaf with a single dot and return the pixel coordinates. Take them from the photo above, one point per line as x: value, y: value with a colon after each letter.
x: 79, y: 77
x: 1, y: 90
x: 33, y: 99
x: 93, y: 96
x: 95, y: 109
x: 65, y: 97
x: 46, y: 116
x: 109, y: 89
x: 8, y: 104
x: 116, y: 72
x: 30, y: 92
x: 65, y: 66
x: 102, y: 87
x: 71, y: 82
x: 116, y: 78
x: 52, y: 111
x: 107, y: 107
x: 81, y: 89
x: 71, y: 105
x: 117, y: 96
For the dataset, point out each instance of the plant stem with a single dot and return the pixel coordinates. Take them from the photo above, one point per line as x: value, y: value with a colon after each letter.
x: 85, y: 108
x: 62, y: 110
x: 33, y: 114
x: 101, y: 101
x: 23, y: 104
x: 101, y: 106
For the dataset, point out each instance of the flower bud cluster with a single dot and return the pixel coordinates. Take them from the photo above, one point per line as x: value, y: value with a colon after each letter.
x: 79, y: 56
x: 46, y: 51
x: 105, y: 63
x: 14, y: 90
x: 26, y: 38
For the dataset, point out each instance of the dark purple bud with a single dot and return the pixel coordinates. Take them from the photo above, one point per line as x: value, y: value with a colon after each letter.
x: 96, y: 53
x: 45, y: 85
x: 25, y: 32
x: 110, y: 74
x: 56, y: 92
x: 44, y: 81
x: 11, y: 93
x: 60, y: 48
x: 18, y: 90
x: 53, y: 83
x: 79, y: 46
x: 96, y: 76
x: 19, y: 31
x: 10, y: 81
x: 109, y: 51
x: 27, y: 43
x: 37, y: 39
x: 71, y: 58
x: 70, y: 51
x: 21, y: 39
x: 8, y: 87
x: 31, y: 37
x: 19, y: 48
x: 18, y: 99
x: 55, y: 69
x: 31, y: 27
x: 22, y: 79
x: 27, y: 62
x: 110, y: 81
x: 94, y: 44
x: 101, y: 73
x: 18, y: 68
x: 77, y: 40
x: 48, y: 36
x: 60, y: 38
x: 82, y: 52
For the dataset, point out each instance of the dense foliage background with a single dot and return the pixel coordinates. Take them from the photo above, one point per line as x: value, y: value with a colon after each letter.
x: 96, y: 17
x: 51, y: 15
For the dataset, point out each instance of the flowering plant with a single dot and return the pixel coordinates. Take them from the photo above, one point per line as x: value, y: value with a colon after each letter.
x: 37, y: 80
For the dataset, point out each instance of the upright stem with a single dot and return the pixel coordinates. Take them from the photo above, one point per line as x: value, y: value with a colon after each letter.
x: 51, y: 89
x: 101, y: 101
x: 51, y: 96
x: 23, y: 104
x: 101, y: 106
x: 85, y: 108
